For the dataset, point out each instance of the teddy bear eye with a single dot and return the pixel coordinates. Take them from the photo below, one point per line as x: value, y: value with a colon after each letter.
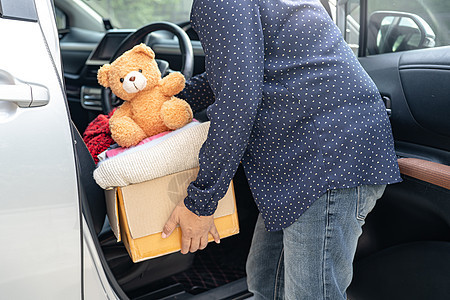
x: 121, y: 79
x: 140, y: 71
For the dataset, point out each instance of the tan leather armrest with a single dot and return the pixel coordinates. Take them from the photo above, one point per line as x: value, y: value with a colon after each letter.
x: 434, y: 173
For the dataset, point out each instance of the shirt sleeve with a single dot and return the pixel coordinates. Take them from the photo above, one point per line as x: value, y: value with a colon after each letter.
x: 232, y: 38
x: 197, y: 93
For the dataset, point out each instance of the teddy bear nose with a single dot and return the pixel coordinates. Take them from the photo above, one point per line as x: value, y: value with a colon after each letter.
x: 132, y: 78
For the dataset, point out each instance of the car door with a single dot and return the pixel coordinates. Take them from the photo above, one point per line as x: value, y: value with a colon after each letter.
x: 404, y: 251
x: 39, y: 212
x: 80, y: 30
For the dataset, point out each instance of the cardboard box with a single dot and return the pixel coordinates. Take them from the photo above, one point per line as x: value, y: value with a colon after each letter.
x: 137, y: 214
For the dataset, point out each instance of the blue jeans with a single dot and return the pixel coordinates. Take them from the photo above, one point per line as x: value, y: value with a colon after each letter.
x: 312, y: 258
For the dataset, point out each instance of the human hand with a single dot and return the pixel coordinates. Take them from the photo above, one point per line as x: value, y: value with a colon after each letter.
x: 194, y: 229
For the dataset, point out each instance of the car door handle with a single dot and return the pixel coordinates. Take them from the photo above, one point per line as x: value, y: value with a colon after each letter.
x: 388, y: 103
x: 24, y: 95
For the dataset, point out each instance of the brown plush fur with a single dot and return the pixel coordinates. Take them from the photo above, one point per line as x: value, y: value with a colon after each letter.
x: 153, y: 108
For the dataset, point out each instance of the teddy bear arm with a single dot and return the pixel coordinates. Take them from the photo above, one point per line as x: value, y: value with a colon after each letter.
x: 176, y: 113
x: 172, y: 84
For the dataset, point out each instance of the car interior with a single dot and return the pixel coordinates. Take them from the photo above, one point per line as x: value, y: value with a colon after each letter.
x: 404, y: 252
x: 220, y: 270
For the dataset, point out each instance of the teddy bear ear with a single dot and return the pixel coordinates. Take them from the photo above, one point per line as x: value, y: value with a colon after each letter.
x: 143, y: 48
x: 102, y: 75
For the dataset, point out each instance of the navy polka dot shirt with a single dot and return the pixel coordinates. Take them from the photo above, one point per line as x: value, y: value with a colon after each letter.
x: 288, y: 99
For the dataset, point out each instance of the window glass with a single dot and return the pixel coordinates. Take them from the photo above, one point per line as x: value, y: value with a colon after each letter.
x: 398, y: 25
x: 61, y: 19
x: 436, y: 13
x: 351, y: 33
x: 137, y: 13
x: 404, y: 25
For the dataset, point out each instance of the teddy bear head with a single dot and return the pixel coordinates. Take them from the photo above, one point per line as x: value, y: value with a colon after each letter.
x: 134, y: 71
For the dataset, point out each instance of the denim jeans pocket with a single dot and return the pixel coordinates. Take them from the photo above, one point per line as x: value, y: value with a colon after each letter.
x: 367, y: 198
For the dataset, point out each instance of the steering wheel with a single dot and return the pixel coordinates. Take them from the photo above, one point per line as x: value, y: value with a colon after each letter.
x: 187, y: 54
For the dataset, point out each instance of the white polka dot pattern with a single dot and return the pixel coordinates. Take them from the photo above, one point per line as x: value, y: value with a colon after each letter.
x: 197, y: 93
x: 292, y: 103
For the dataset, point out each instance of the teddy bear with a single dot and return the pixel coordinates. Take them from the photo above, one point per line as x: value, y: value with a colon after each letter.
x: 149, y: 106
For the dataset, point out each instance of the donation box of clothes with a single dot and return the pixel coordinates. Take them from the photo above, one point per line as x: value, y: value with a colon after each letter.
x: 143, y: 184
x: 137, y: 214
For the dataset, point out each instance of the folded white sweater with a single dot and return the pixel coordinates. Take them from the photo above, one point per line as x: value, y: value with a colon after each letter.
x: 176, y: 153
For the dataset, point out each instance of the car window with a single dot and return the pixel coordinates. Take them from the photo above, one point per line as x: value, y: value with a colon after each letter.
x: 61, y: 19
x: 397, y: 25
x: 351, y: 17
x: 137, y: 13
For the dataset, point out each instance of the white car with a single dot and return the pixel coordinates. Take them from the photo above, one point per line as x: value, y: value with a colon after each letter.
x: 56, y: 242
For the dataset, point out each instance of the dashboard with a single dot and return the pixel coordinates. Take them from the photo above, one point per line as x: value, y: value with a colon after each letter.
x: 107, y: 46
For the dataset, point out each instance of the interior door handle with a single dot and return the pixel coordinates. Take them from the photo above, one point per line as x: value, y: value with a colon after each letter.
x: 388, y: 103
x: 21, y: 93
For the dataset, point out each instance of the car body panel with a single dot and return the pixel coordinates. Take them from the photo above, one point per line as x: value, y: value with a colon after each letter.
x: 95, y: 281
x: 39, y: 211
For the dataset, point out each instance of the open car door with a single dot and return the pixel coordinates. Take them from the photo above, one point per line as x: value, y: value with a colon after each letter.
x: 404, y: 252
x: 39, y: 213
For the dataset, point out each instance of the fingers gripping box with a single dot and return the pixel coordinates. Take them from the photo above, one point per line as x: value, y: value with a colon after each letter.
x: 137, y: 214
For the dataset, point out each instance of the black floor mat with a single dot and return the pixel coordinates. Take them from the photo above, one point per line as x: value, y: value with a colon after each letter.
x: 215, y: 266
x: 222, y: 263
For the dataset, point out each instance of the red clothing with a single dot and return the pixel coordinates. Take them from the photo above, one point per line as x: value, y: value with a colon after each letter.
x: 97, y: 135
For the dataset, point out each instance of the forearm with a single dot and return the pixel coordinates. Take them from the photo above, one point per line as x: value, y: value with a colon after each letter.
x: 197, y: 93
x: 235, y: 69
